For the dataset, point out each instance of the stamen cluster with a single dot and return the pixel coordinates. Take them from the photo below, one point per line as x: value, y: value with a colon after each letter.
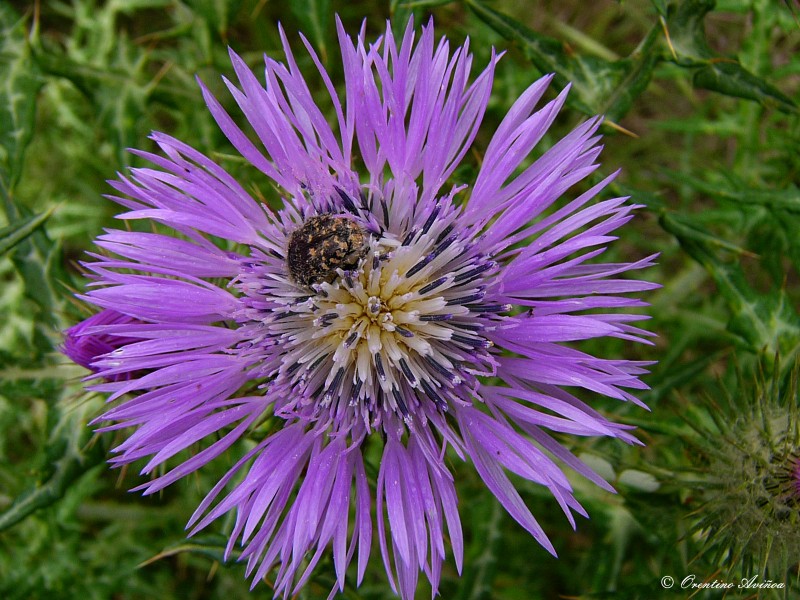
x: 403, y: 331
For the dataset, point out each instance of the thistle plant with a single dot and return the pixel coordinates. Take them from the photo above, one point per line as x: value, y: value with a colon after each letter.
x: 369, y: 316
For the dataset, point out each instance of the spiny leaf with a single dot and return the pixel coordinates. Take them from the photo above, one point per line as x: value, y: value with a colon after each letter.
x: 731, y: 79
x: 16, y: 232
x: 19, y: 85
x: 686, y: 35
x: 37, y: 259
x: 117, y: 84
x: 686, y: 31
x: 66, y: 459
x: 761, y: 321
x: 599, y: 86
x: 687, y: 227
x: 772, y: 216
x: 736, y: 191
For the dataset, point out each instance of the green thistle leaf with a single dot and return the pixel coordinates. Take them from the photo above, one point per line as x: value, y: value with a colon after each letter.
x: 598, y: 86
x: 19, y: 230
x: 20, y: 86
x: 685, y: 27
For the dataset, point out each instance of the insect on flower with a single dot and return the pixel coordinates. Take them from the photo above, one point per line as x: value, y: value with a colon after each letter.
x: 323, y: 245
x: 376, y: 309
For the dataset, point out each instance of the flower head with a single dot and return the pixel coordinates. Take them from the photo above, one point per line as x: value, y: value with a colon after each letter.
x: 375, y: 307
x: 747, y: 494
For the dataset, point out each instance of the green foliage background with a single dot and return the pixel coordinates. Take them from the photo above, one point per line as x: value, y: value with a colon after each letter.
x: 701, y: 100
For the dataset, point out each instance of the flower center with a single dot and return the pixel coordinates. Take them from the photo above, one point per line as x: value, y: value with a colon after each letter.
x: 401, y: 332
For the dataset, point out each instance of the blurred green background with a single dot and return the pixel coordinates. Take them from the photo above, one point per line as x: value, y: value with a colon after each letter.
x: 701, y: 100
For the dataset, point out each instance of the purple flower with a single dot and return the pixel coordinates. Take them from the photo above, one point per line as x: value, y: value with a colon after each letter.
x: 378, y: 308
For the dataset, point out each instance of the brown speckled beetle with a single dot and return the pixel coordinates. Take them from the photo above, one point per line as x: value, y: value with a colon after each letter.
x: 323, y: 244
